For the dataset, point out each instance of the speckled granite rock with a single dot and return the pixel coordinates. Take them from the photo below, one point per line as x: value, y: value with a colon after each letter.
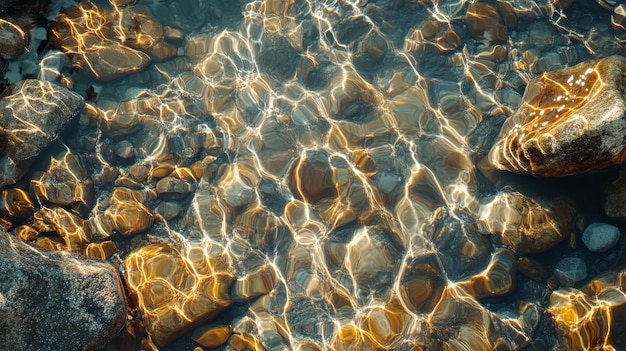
x: 55, y: 300
x: 571, y: 121
x: 32, y: 114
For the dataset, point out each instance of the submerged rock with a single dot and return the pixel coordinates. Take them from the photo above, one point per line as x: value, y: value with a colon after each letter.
x: 591, y: 318
x: 525, y: 224
x: 55, y: 300
x: 599, y: 237
x: 32, y: 114
x: 571, y: 121
x: 176, y: 291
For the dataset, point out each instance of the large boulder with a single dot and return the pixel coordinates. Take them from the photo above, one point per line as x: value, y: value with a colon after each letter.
x: 56, y: 300
x: 571, y: 121
x: 32, y: 114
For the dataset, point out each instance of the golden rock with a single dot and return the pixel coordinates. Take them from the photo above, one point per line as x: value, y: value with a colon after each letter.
x: 211, y: 336
x: 571, y: 121
x: 498, y: 279
x: 312, y: 178
x: 255, y: 284
x: 16, y: 203
x: 103, y: 250
x: 72, y: 229
x: 65, y: 183
x: 130, y: 217
x: 91, y: 36
x: 177, y: 291
x: 26, y: 233
x: 525, y: 224
x: 245, y: 342
x: 484, y: 22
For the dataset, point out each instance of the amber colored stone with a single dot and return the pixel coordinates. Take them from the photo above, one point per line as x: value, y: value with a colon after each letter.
x: 386, y: 324
x: 103, y: 250
x: 526, y: 224
x: 178, y: 290
x: 72, y: 229
x: 26, y: 233
x: 498, y: 279
x: 312, y: 179
x: 351, y: 337
x: 65, y: 183
x: 211, y: 336
x: 245, y: 342
x: 130, y: 217
x: 484, y: 22
x: 6, y: 224
x: 16, y: 203
x: 571, y: 121
x: 47, y: 244
x: 162, y: 171
x: 255, y: 284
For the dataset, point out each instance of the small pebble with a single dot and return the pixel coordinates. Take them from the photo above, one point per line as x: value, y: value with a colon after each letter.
x: 599, y: 237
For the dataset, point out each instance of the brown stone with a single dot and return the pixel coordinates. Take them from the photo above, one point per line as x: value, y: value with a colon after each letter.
x: 26, y: 233
x: 102, y: 251
x: 591, y: 318
x: 533, y: 269
x: 571, y: 121
x: 312, y: 178
x: 484, y: 22
x: 245, y: 342
x: 177, y: 291
x: 525, y: 224
x: 16, y: 203
x: 498, y: 279
x: 130, y: 217
x: 12, y: 40
x: 211, y: 336
x: 65, y: 183
x: 72, y: 229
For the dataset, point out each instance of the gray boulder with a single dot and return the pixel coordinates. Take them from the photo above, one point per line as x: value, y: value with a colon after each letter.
x: 32, y: 114
x: 56, y: 300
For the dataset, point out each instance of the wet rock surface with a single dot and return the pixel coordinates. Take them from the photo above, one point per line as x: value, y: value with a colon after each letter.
x: 571, y: 121
x: 177, y: 292
x: 309, y: 175
x: 72, y: 303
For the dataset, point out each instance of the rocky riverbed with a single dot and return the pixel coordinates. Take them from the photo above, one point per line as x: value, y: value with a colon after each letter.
x: 312, y: 175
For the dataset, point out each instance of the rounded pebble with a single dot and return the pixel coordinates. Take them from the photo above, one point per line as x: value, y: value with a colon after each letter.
x: 599, y: 237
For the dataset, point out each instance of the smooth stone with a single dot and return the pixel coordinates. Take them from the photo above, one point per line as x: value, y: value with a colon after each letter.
x: 591, y: 318
x: 171, y: 188
x: 176, y: 291
x: 113, y: 60
x: 599, y: 237
x: 211, y: 336
x: 525, y: 224
x: 32, y: 114
x: 130, y: 217
x: 570, y: 270
x: 102, y: 251
x: 66, y: 183
x: 484, y: 22
x: 12, y: 41
x: 75, y: 232
x: 571, y: 121
x: 16, y: 203
x: 56, y: 300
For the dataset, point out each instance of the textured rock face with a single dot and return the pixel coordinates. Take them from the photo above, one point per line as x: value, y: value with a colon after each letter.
x: 33, y: 114
x: 591, y: 318
x: 176, y: 290
x: 571, y: 121
x: 525, y: 224
x: 53, y: 300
